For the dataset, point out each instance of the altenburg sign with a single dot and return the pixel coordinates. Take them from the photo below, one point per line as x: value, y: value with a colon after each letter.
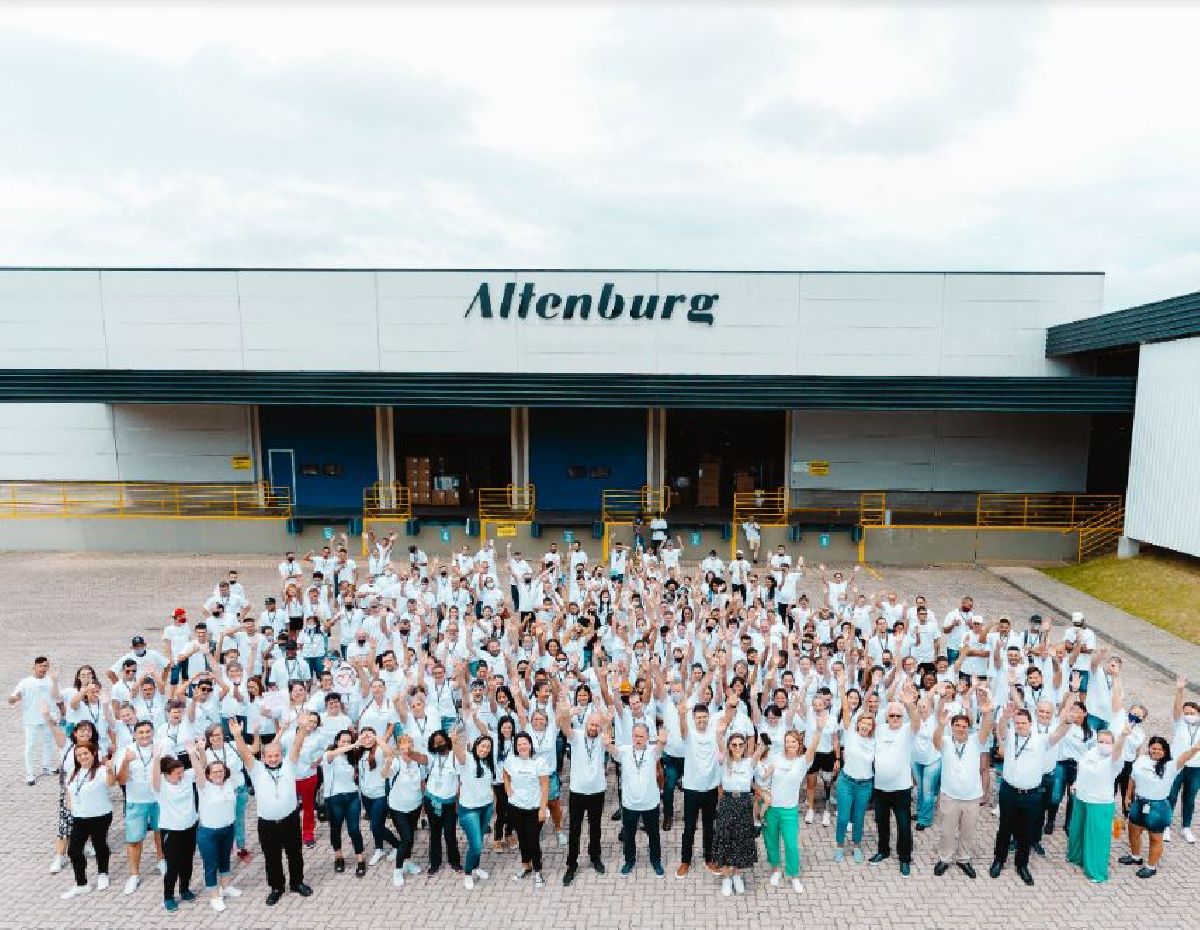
x: 608, y: 305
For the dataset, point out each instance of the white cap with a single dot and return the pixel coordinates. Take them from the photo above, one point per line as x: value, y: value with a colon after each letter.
x: 1077, y: 618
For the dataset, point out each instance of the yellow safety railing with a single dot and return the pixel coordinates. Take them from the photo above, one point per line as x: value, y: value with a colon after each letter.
x: 768, y: 508
x: 1099, y: 533
x: 506, y: 507
x: 388, y: 499
x: 622, y: 507
x: 114, y: 499
x: 872, y: 508
x: 1033, y: 510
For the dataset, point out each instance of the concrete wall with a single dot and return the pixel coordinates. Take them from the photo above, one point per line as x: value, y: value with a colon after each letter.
x: 1163, y: 501
x: 766, y: 323
x: 126, y: 442
x: 933, y: 546
x: 942, y: 451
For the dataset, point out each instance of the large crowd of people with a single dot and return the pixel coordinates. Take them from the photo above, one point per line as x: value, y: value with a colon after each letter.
x: 492, y: 701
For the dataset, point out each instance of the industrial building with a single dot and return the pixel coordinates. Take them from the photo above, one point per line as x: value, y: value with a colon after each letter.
x: 818, y: 402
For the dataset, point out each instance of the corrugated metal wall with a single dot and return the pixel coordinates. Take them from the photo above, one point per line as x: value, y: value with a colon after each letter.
x: 1163, y: 506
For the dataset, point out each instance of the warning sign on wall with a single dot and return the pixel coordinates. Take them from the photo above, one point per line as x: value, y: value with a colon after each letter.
x: 506, y: 529
x: 240, y: 462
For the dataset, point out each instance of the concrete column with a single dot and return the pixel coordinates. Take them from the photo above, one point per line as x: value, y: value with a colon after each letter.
x: 385, y: 449
x: 1127, y: 548
x: 519, y: 442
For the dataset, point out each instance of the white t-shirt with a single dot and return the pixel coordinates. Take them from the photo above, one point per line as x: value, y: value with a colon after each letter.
x: 137, y: 776
x: 1149, y: 786
x: 178, y: 635
x: 89, y: 796
x: 405, y: 793
x: 33, y: 692
x: 1095, y: 775
x: 1185, y: 736
x: 893, y: 757
x: 961, y: 779
x: 218, y: 805
x: 738, y: 775
x: 639, y: 777
x: 858, y: 755
x: 701, y: 771
x: 587, y: 763
x: 176, y: 804
x: 475, y: 789
x: 274, y: 791
x: 1023, y: 759
x: 525, y: 776
x: 787, y: 778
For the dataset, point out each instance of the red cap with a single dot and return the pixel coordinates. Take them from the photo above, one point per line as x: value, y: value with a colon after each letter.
x: 180, y: 612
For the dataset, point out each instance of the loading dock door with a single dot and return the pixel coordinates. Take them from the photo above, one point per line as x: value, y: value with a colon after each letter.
x: 575, y: 454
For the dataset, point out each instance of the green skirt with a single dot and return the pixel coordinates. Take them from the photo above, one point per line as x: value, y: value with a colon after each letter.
x: 1089, y: 838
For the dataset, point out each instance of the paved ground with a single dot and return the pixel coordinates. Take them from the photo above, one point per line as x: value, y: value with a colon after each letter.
x: 84, y: 608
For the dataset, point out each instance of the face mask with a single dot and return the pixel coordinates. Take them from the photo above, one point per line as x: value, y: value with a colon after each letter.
x: 1135, y: 719
x: 1191, y: 719
x: 1105, y: 749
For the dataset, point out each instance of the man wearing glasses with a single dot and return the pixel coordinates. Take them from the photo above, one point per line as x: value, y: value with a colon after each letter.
x: 893, y: 778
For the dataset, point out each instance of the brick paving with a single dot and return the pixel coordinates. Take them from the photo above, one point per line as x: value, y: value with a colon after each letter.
x: 78, y: 608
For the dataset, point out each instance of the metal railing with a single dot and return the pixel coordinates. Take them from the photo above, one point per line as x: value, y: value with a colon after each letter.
x: 625, y: 506
x: 1033, y: 510
x: 115, y: 499
x: 769, y: 508
x: 514, y: 502
x: 872, y: 508
x: 1099, y: 533
x: 387, y: 499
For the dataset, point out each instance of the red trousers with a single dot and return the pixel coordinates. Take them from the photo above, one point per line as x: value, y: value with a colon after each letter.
x: 306, y: 789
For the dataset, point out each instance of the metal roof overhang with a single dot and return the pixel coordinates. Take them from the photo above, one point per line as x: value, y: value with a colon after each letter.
x: 603, y: 390
x: 1176, y: 318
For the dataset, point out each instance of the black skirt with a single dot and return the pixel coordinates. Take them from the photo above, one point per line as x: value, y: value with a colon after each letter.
x: 734, y: 843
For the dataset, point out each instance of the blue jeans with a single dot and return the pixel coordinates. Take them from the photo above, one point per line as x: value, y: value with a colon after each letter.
x: 852, y: 799
x: 952, y: 655
x: 1063, y: 778
x: 344, y: 808
x: 215, y: 845
x: 672, y: 776
x: 1187, y: 784
x: 927, y: 777
x: 474, y: 822
x: 1084, y: 678
x: 239, y: 817
x: 377, y: 812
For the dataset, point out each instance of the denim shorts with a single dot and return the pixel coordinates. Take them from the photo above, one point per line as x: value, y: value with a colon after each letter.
x: 140, y: 817
x: 1154, y: 816
x: 555, y: 787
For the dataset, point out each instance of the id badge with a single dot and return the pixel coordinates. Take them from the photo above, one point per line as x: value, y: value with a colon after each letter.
x: 1145, y: 808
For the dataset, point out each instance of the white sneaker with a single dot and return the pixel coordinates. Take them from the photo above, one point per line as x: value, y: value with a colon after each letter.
x: 739, y: 886
x: 538, y: 881
x: 797, y: 886
x: 996, y: 811
x: 393, y: 854
x: 412, y: 868
x: 1188, y: 834
x: 808, y: 816
x: 481, y: 873
x: 56, y: 864
x: 1167, y: 835
x: 161, y: 865
x: 218, y: 903
x: 562, y: 838
x: 376, y: 857
x: 825, y: 819
x: 131, y: 884
x: 776, y: 877
x: 75, y: 891
x: 101, y: 882
x: 519, y: 875
x: 469, y: 882
x: 230, y: 892
x: 398, y: 877
x: 726, y: 887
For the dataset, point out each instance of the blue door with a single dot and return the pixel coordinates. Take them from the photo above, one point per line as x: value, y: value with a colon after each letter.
x: 574, y: 455
x: 330, y: 451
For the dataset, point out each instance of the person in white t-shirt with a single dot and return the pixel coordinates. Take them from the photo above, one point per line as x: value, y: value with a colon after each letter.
x: 527, y: 784
x: 90, y: 806
x: 639, y: 792
x: 176, y: 821
x: 31, y: 693
x: 894, y: 742
x: 781, y: 779
x: 753, y: 534
x: 962, y: 784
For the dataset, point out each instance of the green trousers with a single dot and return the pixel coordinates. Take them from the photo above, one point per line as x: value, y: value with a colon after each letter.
x: 1089, y: 838
x: 783, y: 823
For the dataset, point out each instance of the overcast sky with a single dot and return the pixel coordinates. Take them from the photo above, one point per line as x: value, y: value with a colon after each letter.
x: 797, y: 136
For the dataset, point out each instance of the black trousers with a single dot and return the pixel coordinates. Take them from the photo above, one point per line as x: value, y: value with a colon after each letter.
x: 896, y: 804
x: 501, y: 825
x: 528, y: 827
x: 405, y: 823
x: 1020, y: 820
x: 82, y: 830
x: 179, y: 851
x: 700, y: 805
x: 629, y: 827
x: 279, y: 838
x: 577, y: 805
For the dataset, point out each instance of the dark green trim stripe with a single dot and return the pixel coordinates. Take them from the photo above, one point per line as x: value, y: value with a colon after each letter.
x: 1176, y: 318
x: 409, y: 389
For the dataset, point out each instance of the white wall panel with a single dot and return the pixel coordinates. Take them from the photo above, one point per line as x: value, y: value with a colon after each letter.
x: 56, y: 442
x: 786, y: 323
x: 1163, y: 501
x: 177, y: 443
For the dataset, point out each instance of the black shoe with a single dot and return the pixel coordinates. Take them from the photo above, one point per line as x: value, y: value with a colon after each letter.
x: 616, y: 815
x: 668, y: 822
x: 273, y: 898
x: 434, y: 870
x: 940, y: 869
x: 968, y: 869
x: 878, y: 857
x: 339, y: 865
x: 996, y: 869
x: 1130, y: 860
x: 302, y: 889
x: 1049, y: 828
x: 361, y: 869
x: 568, y: 877
x: 310, y: 844
x: 1026, y: 875
x: 920, y: 827
x: 1146, y: 872
x: 905, y: 868
x: 598, y: 866
x: 1039, y: 849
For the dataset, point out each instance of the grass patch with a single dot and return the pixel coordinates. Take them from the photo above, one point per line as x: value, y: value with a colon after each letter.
x: 1160, y: 588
